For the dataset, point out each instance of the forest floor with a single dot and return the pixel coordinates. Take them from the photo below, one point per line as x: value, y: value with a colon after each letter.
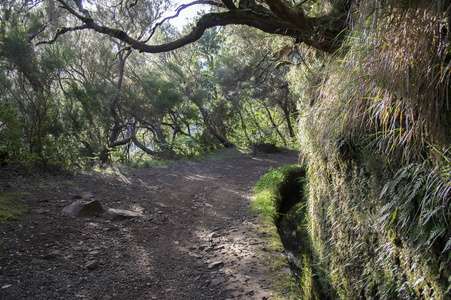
x: 196, y: 238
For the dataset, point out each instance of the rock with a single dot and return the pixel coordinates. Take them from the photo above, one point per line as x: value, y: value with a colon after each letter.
x: 216, y: 282
x: 52, y: 254
x: 40, y: 211
x: 36, y: 261
x: 158, y: 219
x: 84, y: 209
x: 115, y: 214
x: 92, y: 265
x: 213, y: 235
x: 215, y: 264
x: 265, y: 148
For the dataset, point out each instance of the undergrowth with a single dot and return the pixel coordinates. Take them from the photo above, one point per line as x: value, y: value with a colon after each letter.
x: 268, y: 191
x: 12, y: 206
x: 280, y: 199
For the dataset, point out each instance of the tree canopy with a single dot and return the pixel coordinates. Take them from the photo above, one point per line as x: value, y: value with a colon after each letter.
x: 273, y: 16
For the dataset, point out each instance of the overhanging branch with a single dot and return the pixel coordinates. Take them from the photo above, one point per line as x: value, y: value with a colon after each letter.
x: 62, y: 31
x: 264, y: 22
x: 177, y: 13
x: 281, y: 19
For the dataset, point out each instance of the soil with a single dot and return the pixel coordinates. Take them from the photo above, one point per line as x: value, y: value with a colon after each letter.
x: 196, y: 238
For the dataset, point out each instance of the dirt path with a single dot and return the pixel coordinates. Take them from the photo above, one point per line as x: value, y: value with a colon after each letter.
x: 196, y: 239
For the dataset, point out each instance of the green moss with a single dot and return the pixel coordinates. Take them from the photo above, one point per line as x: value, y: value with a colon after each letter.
x: 270, y: 187
x: 12, y: 205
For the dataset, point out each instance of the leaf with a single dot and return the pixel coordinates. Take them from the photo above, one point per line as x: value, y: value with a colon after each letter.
x: 282, y: 52
x: 283, y: 63
x: 447, y: 246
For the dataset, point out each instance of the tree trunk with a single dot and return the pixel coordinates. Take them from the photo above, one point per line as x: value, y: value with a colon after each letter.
x: 211, y: 129
x: 274, y: 125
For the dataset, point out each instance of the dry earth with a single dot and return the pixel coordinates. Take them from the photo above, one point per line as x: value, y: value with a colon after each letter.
x: 195, y: 240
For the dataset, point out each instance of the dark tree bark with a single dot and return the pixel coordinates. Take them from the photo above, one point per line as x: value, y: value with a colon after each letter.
x: 211, y: 128
x: 119, y: 123
x: 274, y: 125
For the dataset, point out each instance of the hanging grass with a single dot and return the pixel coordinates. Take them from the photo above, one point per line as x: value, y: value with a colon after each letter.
x: 375, y: 134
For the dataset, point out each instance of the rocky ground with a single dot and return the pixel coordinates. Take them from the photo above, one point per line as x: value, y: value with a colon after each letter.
x: 194, y: 239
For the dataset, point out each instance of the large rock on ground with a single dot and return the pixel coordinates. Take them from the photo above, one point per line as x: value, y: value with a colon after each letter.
x: 84, y: 209
x: 265, y: 148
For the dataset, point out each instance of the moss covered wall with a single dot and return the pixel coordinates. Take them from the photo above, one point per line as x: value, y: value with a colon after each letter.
x: 375, y: 141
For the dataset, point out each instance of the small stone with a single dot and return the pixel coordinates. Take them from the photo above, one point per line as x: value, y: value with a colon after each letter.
x: 40, y: 211
x: 213, y: 235
x: 216, y: 282
x: 215, y: 264
x: 52, y: 254
x: 157, y: 219
x: 92, y: 265
x: 36, y: 261
x: 115, y: 214
x: 203, y: 247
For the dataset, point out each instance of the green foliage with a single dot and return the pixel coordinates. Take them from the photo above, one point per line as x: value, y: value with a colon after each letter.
x: 14, y: 46
x: 161, y: 93
x: 372, y: 131
x: 10, y: 131
x: 191, y: 147
x: 267, y: 190
x: 56, y: 58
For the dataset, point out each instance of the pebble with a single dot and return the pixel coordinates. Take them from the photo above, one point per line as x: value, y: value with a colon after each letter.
x: 215, y: 264
x: 92, y: 265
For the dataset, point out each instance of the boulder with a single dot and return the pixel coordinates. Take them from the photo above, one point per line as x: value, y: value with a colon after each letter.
x: 84, y: 209
x: 265, y: 148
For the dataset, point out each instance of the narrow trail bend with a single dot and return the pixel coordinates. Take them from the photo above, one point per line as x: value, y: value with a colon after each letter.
x: 196, y: 239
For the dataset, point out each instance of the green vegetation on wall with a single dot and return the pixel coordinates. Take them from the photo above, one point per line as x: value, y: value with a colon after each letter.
x: 374, y: 136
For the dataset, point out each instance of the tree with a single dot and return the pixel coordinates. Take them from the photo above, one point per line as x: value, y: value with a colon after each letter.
x: 29, y: 88
x: 272, y: 16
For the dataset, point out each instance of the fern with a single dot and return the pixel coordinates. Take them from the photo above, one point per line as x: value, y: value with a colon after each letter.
x: 447, y: 246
